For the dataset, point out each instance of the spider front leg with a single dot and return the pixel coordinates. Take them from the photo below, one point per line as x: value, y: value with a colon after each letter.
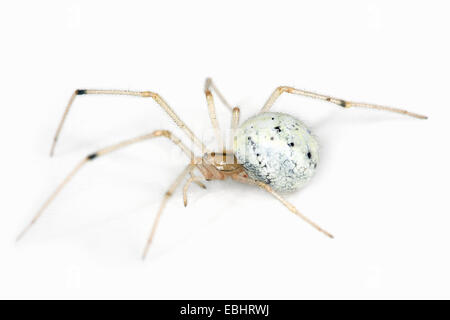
x: 213, y: 118
x: 144, y: 94
x: 102, y: 152
x: 244, y: 179
x: 340, y: 102
x: 234, y: 125
x: 209, y: 85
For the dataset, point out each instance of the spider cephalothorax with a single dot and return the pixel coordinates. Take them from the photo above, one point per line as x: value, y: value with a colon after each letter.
x: 224, y: 162
x: 273, y: 151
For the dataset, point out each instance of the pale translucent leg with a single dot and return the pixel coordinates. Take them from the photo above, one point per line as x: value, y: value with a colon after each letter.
x: 195, y: 179
x: 209, y: 84
x: 102, y: 152
x: 288, y: 205
x: 340, y: 102
x: 213, y: 117
x: 144, y: 94
x: 234, y: 125
x: 167, y: 196
x: 199, y: 183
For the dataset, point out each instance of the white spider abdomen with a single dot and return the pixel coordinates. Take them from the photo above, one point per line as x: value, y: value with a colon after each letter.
x: 277, y: 149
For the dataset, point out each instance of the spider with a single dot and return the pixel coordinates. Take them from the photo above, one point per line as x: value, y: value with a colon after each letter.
x: 273, y: 151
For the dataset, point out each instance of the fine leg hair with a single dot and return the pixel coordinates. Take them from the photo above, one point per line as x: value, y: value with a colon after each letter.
x: 340, y: 102
x: 166, y: 198
x: 102, y: 152
x: 287, y: 204
x: 143, y: 94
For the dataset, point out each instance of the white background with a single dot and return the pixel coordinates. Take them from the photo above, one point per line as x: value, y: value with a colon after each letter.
x: 381, y: 187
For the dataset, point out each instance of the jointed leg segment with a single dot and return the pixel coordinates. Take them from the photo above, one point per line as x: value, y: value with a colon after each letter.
x: 209, y: 84
x: 166, y: 198
x: 102, y: 152
x: 234, y: 125
x: 286, y: 203
x: 340, y: 102
x: 195, y: 179
x: 144, y: 94
x: 214, y: 122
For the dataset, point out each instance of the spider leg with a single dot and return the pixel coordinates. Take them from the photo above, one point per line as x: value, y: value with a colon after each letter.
x: 99, y: 153
x: 144, y: 94
x: 340, y: 102
x: 166, y: 198
x: 286, y: 203
x: 201, y: 185
x: 234, y: 125
x: 213, y: 118
x: 195, y: 179
x: 209, y: 84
